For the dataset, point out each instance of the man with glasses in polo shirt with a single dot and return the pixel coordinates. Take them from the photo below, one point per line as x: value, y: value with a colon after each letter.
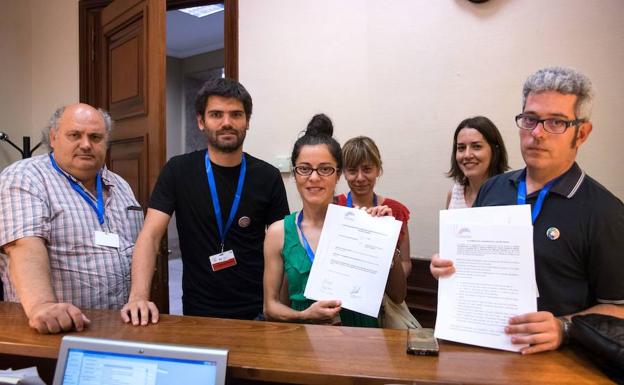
x: 67, y: 225
x: 578, y: 225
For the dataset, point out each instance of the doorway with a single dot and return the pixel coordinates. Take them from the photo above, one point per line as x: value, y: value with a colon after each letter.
x: 131, y: 47
x: 195, y: 52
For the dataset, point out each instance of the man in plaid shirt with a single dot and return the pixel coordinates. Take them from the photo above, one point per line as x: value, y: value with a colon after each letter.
x: 67, y: 225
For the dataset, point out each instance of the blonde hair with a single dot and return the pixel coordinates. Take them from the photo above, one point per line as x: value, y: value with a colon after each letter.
x: 359, y: 150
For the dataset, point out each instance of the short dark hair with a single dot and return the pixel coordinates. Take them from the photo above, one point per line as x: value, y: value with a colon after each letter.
x: 319, y: 131
x: 498, y: 163
x: 225, y: 87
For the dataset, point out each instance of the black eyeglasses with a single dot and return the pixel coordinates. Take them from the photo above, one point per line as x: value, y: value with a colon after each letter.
x: 552, y: 125
x: 321, y: 170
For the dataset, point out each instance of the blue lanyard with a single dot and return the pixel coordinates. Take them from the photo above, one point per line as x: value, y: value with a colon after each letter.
x: 306, y: 245
x: 99, y: 209
x: 215, y: 198
x: 350, y: 200
x: 540, y: 198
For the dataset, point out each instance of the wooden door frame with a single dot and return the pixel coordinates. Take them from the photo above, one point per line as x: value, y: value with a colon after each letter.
x: 89, y: 46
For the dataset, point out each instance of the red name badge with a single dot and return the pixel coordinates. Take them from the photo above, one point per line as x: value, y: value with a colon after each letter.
x: 222, y: 260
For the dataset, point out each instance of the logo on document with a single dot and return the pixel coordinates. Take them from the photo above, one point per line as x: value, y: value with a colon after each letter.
x: 349, y: 216
x: 463, y: 232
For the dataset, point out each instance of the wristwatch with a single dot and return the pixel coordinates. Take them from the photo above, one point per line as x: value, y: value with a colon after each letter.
x: 566, y: 324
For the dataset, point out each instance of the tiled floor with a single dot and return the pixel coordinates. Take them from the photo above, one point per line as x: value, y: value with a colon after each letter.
x: 175, y: 286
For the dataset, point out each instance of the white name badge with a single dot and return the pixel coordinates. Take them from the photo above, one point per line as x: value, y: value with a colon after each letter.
x: 222, y: 260
x: 106, y: 239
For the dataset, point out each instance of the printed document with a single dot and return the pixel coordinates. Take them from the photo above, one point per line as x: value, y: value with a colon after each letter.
x: 353, y: 259
x: 492, y: 251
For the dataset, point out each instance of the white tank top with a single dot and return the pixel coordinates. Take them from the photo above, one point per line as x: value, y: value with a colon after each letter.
x: 457, y: 197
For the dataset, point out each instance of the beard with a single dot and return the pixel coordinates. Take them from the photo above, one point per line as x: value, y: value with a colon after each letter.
x: 215, y: 140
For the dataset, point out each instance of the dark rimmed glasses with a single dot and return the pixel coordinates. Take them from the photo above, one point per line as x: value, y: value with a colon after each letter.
x: 321, y: 170
x: 552, y: 125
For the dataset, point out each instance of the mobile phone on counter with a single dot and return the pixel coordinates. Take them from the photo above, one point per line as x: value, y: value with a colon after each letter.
x: 421, y: 342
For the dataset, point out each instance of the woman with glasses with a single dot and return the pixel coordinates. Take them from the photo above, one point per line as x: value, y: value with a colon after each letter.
x: 478, y: 154
x: 290, y: 244
x: 362, y: 166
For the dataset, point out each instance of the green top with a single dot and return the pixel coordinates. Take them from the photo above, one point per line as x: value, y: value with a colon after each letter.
x: 297, y: 267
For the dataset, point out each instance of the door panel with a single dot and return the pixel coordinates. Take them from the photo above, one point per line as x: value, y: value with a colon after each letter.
x: 132, y: 67
x: 129, y: 159
x: 125, y: 41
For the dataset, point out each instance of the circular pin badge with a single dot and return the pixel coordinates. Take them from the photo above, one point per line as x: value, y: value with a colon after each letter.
x: 553, y: 233
x: 244, y: 221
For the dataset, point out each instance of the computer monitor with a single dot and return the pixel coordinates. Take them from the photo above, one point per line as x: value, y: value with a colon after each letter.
x: 98, y: 361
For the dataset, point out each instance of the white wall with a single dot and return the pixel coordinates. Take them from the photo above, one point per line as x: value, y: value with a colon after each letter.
x: 407, y: 72
x: 15, y: 75
x: 39, y: 67
x: 55, y: 66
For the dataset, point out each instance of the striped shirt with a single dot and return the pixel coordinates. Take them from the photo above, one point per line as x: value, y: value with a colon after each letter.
x: 37, y: 201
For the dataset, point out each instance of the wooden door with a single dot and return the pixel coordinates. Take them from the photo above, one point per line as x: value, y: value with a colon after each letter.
x: 132, y: 88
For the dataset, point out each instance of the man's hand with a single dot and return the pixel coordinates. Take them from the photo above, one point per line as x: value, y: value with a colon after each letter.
x: 138, y: 309
x: 56, y: 317
x: 322, y: 311
x: 543, y: 331
x: 441, y: 267
x: 139, y: 312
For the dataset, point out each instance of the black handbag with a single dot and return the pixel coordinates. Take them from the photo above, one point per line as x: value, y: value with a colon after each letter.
x: 602, y: 336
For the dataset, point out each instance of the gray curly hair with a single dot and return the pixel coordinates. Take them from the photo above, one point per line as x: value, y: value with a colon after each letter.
x: 53, y: 124
x: 565, y: 81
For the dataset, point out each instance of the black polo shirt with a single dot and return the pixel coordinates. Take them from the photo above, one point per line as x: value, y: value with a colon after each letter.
x: 235, y: 292
x: 584, y: 265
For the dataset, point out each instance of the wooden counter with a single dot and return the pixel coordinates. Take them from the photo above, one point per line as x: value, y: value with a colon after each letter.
x: 312, y: 354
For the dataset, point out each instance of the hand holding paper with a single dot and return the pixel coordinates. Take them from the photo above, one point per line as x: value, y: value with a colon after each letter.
x: 353, y: 258
x: 492, y: 252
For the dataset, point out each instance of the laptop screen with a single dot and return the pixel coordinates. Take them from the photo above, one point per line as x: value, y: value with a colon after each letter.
x: 91, y: 361
x: 86, y: 367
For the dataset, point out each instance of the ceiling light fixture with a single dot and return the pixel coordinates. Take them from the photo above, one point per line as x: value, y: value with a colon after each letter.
x: 203, y: 10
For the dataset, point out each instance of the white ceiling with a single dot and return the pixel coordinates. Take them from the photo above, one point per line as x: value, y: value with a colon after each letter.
x: 189, y: 35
